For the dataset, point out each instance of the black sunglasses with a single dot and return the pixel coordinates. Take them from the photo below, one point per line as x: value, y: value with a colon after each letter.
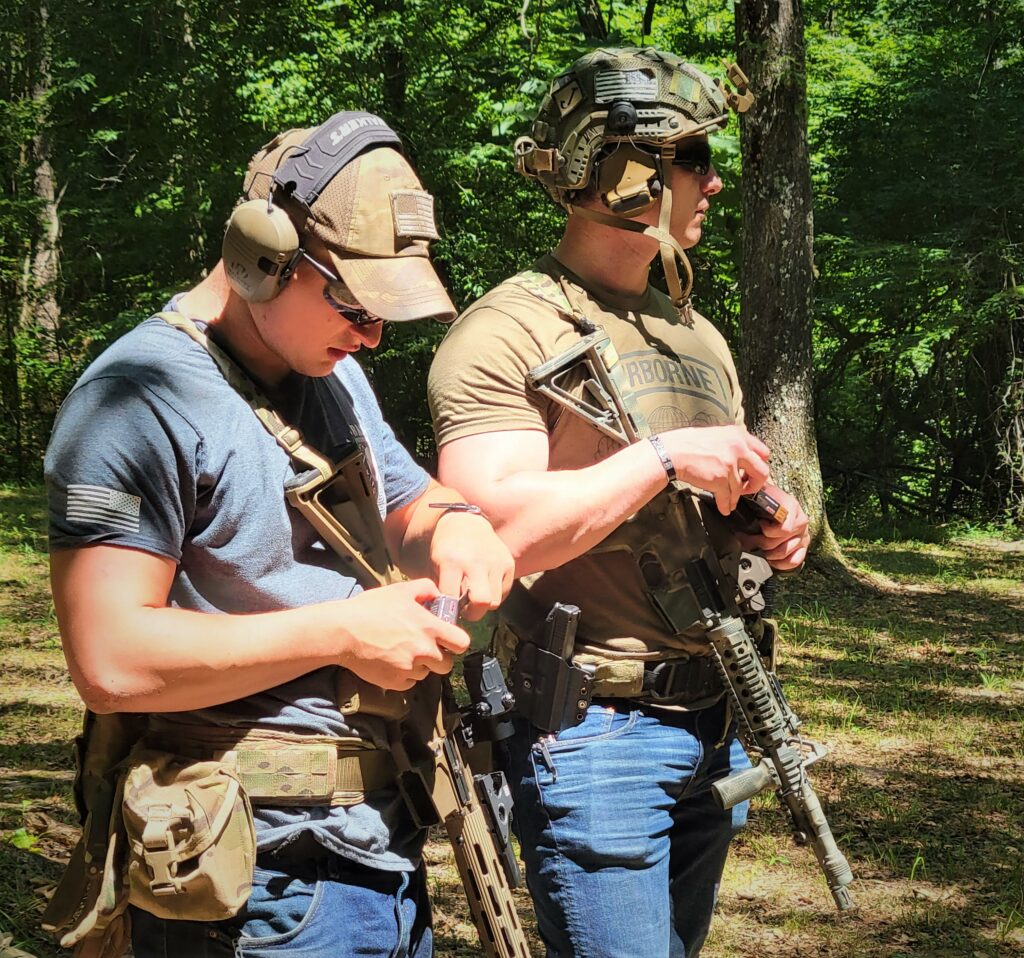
x: 694, y: 156
x: 335, y: 293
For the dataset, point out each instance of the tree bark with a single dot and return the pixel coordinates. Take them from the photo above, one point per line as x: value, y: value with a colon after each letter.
x: 40, y: 309
x: 777, y: 271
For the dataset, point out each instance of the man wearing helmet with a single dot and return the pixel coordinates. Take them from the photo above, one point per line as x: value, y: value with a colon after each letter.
x: 207, y: 601
x: 565, y: 401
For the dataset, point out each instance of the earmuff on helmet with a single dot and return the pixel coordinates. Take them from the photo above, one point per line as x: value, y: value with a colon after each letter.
x: 262, y: 245
x: 628, y: 180
x: 625, y: 98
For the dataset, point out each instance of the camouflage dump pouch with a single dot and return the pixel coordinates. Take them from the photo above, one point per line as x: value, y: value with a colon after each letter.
x: 191, y: 837
x: 88, y: 910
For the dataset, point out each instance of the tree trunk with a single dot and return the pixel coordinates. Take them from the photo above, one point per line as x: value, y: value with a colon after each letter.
x: 777, y: 273
x: 395, y: 71
x: 40, y: 310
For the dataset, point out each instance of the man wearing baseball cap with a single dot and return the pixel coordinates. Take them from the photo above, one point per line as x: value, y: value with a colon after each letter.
x: 253, y: 654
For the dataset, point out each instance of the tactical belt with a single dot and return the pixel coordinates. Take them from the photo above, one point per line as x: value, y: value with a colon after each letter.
x: 689, y: 682
x: 278, y: 768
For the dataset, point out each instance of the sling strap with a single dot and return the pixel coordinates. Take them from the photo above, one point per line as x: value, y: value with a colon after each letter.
x: 349, y: 523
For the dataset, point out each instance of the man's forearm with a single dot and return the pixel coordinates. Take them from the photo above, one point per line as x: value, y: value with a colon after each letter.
x: 412, y: 528
x: 170, y: 660
x: 548, y: 518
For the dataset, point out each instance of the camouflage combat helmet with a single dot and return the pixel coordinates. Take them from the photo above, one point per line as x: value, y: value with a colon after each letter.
x: 640, y: 102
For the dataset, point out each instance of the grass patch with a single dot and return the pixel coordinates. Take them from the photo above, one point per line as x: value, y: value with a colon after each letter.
x: 39, y: 715
x: 914, y: 681
x: 914, y: 676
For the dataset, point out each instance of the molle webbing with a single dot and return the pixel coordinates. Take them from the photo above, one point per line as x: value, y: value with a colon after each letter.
x: 282, y: 768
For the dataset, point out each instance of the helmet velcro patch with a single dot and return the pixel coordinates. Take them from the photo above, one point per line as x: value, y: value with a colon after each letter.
x: 635, y: 85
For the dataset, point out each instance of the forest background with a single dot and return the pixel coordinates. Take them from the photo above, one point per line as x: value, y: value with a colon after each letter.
x: 125, y: 128
x: 894, y: 324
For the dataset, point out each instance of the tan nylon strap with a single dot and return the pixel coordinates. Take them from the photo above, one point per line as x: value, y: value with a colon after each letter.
x: 579, y: 317
x: 668, y: 251
x: 366, y: 772
x: 288, y: 437
x: 669, y: 245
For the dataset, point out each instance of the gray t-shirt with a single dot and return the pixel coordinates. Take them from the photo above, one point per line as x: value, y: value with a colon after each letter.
x: 152, y: 449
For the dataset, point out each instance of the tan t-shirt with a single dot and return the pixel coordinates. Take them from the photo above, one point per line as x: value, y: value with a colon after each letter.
x: 680, y: 375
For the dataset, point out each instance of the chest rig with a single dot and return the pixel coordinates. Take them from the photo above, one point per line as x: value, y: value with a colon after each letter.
x: 677, y: 528
x: 337, y: 497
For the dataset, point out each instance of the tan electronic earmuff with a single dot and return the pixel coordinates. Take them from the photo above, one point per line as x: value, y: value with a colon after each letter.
x: 628, y: 180
x: 631, y: 181
x: 260, y: 251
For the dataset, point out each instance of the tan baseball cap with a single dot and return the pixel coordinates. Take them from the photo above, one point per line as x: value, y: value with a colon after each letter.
x: 376, y: 222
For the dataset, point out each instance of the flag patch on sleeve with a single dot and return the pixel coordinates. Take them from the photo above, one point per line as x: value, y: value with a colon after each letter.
x: 102, y: 506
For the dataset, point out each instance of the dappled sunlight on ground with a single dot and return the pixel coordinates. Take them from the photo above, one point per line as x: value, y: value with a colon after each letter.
x: 912, y: 672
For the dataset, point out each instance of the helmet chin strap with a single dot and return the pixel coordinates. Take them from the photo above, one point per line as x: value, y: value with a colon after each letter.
x: 670, y: 248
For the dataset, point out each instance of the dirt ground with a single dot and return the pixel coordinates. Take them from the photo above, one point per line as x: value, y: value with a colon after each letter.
x: 911, y: 671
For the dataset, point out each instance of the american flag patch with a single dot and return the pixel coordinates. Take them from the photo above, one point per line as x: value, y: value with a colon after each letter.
x: 102, y: 506
x: 413, y: 212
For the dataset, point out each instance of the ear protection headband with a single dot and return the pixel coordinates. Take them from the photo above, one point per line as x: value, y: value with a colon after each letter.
x: 261, y: 243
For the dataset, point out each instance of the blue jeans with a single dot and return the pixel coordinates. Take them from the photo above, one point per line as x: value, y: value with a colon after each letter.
x: 623, y: 843
x: 332, y: 908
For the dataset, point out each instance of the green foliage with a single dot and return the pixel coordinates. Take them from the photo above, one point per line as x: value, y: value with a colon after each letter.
x: 915, y: 112
x: 151, y: 112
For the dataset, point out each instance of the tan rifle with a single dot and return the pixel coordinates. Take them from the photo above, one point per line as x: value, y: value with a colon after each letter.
x: 475, y: 810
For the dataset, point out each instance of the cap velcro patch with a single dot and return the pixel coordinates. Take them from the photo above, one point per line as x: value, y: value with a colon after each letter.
x: 413, y: 211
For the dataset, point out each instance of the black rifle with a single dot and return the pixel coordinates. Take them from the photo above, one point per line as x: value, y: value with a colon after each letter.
x: 768, y: 729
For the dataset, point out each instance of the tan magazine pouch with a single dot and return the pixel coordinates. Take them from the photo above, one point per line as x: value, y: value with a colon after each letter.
x: 191, y: 838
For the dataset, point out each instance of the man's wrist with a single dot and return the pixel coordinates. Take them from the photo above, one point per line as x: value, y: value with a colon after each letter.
x: 465, y: 508
x: 666, y: 459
